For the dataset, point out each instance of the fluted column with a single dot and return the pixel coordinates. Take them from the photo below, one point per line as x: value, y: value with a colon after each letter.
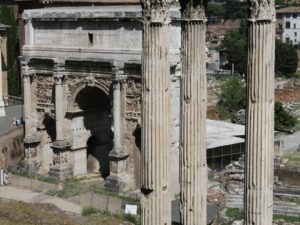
x: 193, y: 166
x: 2, y: 105
x: 156, y: 205
x: 260, y: 115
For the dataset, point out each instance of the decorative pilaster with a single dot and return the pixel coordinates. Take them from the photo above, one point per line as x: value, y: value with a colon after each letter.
x: 2, y: 105
x: 260, y: 114
x: 118, y: 178
x: 193, y: 166
x: 61, y: 168
x: 156, y: 205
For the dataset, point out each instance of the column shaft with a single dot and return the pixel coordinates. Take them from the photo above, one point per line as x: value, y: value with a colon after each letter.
x: 117, y: 116
x: 156, y: 207
x: 193, y: 166
x: 27, y: 105
x: 260, y: 124
x: 59, y: 108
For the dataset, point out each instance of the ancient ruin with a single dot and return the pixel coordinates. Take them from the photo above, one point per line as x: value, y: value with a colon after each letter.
x: 102, y: 94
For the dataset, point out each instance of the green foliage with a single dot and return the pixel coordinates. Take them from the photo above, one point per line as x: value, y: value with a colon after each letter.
x: 286, y: 59
x: 128, y: 217
x: 232, y: 97
x: 289, y: 219
x: 283, y: 119
x: 215, y: 10
x: 88, y: 211
x: 234, y: 213
x: 7, y: 17
x: 235, y: 43
x: 235, y: 9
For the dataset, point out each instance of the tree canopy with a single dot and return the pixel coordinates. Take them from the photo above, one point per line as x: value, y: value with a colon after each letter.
x: 7, y: 17
x: 283, y: 119
x: 235, y: 44
x: 286, y: 59
x: 232, y: 97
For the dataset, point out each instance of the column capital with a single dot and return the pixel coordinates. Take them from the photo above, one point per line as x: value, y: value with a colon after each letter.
x: 193, y: 10
x: 156, y: 11
x: 58, y: 73
x: 262, y: 10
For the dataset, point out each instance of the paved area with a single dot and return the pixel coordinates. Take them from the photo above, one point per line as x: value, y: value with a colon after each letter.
x: 29, y: 196
x: 12, y: 111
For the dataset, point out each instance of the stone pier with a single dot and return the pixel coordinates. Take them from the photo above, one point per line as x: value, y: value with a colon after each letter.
x: 156, y: 205
x: 61, y: 168
x: 118, y: 179
x: 3, y: 47
x: 193, y: 166
x: 260, y: 115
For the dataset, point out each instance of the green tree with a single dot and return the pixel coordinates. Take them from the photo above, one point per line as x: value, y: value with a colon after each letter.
x: 235, y: 9
x: 235, y: 43
x: 232, y: 97
x: 215, y: 10
x: 286, y: 59
x: 7, y: 17
x: 283, y: 119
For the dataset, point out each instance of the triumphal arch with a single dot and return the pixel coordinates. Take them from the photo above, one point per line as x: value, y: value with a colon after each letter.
x: 82, y: 88
x: 101, y: 85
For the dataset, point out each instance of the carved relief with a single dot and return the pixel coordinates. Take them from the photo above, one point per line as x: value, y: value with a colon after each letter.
x: 193, y: 9
x: 133, y: 99
x: 156, y: 10
x: 44, y: 89
x: 30, y: 152
x: 262, y: 9
x: 77, y: 83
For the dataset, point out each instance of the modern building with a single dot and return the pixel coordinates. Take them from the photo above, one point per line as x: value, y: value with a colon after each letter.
x: 288, y: 25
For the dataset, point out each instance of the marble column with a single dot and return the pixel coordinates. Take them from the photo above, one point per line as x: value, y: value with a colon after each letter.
x: 118, y: 178
x: 193, y: 166
x: 155, y: 201
x: 2, y: 105
x: 61, y: 168
x: 31, y: 141
x: 260, y: 115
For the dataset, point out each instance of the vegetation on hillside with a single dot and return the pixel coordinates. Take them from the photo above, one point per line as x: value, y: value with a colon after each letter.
x: 7, y: 17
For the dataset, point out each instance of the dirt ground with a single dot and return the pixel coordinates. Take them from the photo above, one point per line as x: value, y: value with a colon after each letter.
x: 19, y: 213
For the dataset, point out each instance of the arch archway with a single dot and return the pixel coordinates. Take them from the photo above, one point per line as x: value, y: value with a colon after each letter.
x: 93, y: 127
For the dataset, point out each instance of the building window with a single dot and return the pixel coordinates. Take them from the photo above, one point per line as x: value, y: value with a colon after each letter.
x: 287, y: 25
x: 295, y: 34
x: 294, y: 25
x: 294, y: 15
x: 287, y: 40
x: 91, y: 39
x: 288, y: 15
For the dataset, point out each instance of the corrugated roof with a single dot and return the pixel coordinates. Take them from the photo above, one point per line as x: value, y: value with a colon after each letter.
x: 220, y: 133
x: 291, y: 9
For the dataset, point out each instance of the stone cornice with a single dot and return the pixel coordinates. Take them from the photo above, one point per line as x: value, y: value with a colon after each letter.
x: 262, y: 10
x: 192, y: 10
x: 156, y: 11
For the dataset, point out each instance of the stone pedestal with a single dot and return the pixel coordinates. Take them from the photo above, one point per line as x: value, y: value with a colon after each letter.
x: 155, y: 201
x: 30, y: 164
x: 259, y: 157
x: 61, y: 169
x: 193, y: 166
x: 118, y: 179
